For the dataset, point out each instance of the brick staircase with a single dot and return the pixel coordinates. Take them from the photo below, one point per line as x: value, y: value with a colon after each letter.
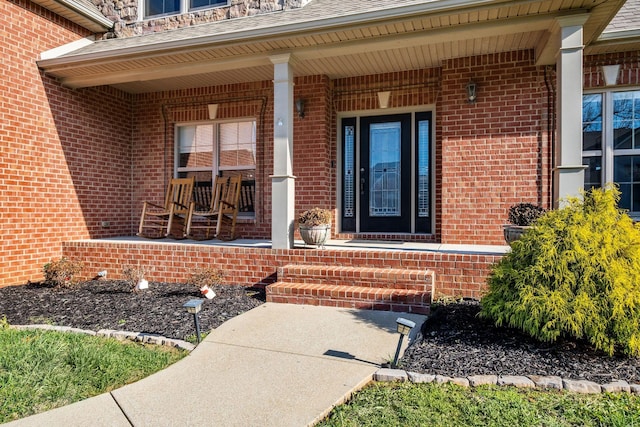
x: 389, y: 289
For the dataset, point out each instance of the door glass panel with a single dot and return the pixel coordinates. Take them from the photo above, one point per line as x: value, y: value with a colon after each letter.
x: 349, y: 173
x: 384, y: 169
x: 423, y: 168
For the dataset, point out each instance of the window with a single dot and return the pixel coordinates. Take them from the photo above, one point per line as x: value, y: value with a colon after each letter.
x: 205, y: 150
x: 153, y: 8
x: 611, y: 143
x: 161, y: 7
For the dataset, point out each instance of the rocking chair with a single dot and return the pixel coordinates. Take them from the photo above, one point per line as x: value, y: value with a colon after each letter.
x: 161, y: 219
x: 222, y: 212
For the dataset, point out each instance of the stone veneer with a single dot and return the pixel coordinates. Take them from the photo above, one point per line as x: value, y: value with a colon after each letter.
x: 125, y: 15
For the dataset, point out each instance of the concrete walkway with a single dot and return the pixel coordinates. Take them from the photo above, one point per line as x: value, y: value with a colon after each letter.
x: 276, y: 365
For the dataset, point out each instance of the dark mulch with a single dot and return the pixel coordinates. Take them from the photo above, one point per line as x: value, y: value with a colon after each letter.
x: 110, y: 304
x: 457, y: 343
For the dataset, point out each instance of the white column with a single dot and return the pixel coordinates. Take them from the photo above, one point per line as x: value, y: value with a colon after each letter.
x: 568, y: 169
x: 282, y: 180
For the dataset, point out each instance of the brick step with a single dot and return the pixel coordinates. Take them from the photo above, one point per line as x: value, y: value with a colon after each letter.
x: 388, y: 278
x: 357, y: 297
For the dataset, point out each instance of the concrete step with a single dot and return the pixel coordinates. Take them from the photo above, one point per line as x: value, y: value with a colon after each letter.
x: 349, y: 296
x: 387, y: 278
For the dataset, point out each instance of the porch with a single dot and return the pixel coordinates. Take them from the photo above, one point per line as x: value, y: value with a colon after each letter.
x: 384, y: 275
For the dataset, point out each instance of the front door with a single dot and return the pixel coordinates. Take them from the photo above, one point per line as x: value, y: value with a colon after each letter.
x: 385, y: 176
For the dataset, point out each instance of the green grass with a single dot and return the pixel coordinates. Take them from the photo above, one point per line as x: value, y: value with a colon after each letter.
x: 41, y: 370
x: 406, y: 404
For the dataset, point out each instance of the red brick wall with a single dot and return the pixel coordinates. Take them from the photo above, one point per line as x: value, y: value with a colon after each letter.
x: 156, y: 115
x: 455, y: 274
x: 493, y: 153
x: 64, y: 156
x: 312, y: 148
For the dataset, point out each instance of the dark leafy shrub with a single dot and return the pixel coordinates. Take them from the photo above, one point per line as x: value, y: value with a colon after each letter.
x: 576, y: 273
x: 525, y: 213
x: 62, y: 273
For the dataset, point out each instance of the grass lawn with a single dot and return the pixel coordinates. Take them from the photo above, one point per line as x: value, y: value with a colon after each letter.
x: 41, y: 370
x: 406, y: 404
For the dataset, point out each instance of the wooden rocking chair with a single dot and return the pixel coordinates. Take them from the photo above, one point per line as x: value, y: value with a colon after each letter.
x: 222, y: 212
x: 160, y: 220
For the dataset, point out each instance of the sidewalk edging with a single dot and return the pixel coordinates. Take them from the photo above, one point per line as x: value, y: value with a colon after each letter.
x: 520, y: 381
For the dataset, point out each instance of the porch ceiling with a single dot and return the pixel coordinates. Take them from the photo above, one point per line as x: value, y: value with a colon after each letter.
x: 326, y: 39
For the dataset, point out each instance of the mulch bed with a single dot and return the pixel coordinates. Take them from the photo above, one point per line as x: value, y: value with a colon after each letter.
x: 110, y: 304
x: 457, y: 343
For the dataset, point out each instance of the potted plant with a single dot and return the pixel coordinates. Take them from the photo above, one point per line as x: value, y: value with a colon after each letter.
x: 314, y: 225
x: 521, y: 218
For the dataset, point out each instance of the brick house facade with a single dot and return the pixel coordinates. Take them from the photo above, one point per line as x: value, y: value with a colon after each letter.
x: 78, y: 159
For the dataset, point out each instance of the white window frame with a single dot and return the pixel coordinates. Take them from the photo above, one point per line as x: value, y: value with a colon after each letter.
x: 184, y: 8
x: 607, y: 153
x: 215, y: 167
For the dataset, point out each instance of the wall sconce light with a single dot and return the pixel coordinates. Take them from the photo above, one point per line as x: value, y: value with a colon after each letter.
x: 300, y: 107
x: 213, y: 111
x: 472, y: 92
x: 404, y: 328
x: 610, y: 73
x: 383, y: 99
x: 194, y: 306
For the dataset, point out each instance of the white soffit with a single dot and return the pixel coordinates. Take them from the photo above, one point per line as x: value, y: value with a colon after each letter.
x: 414, y: 42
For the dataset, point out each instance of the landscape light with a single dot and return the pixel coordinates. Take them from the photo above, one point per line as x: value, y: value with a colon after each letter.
x: 194, y: 306
x: 404, y: 328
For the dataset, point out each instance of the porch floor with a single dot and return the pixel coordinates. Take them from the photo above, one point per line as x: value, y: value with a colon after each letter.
x: 354, y: 244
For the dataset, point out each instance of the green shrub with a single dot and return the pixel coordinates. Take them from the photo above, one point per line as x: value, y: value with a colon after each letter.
x: 576, y: 273
x: 62, y: 273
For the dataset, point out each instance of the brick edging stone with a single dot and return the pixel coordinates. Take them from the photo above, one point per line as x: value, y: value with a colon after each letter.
x: 520, y: 381
x: 119, y: 335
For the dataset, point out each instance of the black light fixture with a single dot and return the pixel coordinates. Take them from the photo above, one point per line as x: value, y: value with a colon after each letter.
x: 404, y: 328
x: 300, y: 107
x: 472, y: 88
x: 194, y: 306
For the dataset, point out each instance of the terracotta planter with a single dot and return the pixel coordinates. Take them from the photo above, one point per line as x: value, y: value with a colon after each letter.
x: 514, y: 232
x: 316, y: 235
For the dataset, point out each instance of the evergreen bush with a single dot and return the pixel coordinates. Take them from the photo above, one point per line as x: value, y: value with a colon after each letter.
x: 576, y: 273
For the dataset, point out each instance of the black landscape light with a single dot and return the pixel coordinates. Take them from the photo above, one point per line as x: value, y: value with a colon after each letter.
x: 194, y: 306
x: 404, y: 328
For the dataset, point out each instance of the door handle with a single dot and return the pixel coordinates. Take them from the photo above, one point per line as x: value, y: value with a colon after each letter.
x: 362, y: 181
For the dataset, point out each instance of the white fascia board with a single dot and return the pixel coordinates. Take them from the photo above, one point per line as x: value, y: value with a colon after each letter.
x: 66, y: 48
x: 90, y: 14
x: 436, y: 6
x: 617, y: 36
